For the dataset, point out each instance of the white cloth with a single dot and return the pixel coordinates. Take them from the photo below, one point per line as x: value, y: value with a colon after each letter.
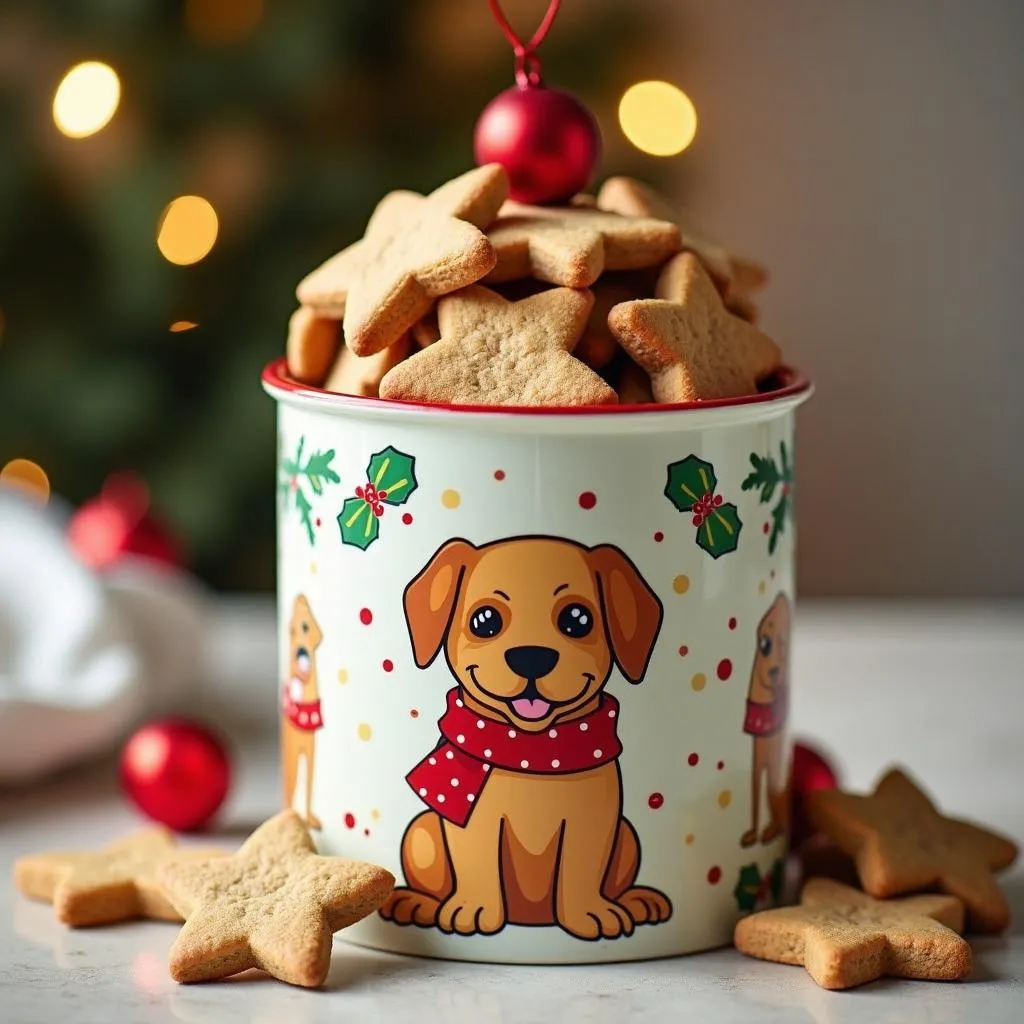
x: 84, y: 655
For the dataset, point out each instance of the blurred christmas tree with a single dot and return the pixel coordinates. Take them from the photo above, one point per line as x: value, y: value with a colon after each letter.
x: 289, y: 119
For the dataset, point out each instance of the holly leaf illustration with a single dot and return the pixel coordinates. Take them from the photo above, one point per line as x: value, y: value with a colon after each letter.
x: 720, y: 532
x: 394, y: 473
x: 787, y: 468
x: 765, y: 475
x: 359, y: 526
x: 318, y: 470
x: 688, y: 481
x: 305, y: 508
x: 748, y: 885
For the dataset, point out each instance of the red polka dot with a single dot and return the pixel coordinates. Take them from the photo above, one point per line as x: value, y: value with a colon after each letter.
x: 732, y: 622
x: 659, y: 537
x: 724, y: 669
x: 499, y: 474
x: 655, y: 800
x: 714, y: 875
x: 318, y: 521
x: 407, y: 518
x: 765, y: 528
x: 387, y: 664
x: 588, y: 499
x: 350, y: 820
x: 721, y: 765
x: 684, y: 651
x: 366, y: 831
x: 414, y: 713
x: 365, y: 616
x: 693, y: 759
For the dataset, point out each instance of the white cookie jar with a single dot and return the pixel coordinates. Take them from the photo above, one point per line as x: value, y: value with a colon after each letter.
x: 535, y: 662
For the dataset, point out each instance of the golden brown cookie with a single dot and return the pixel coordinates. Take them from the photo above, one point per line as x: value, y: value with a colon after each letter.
x: 845, y: 938
x: 416, y: 249
x: 734, y: 276
x: 313, y: 342
x: 273, y: 905
x: 901, y: 843
x: 574, y: 245
x: 634, y: 384
x: 361, y: 375
x: 116, y: 883
x: 496, y: 352
x: 685, y: 339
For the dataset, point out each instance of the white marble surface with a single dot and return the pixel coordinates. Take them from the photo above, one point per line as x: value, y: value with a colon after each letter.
x: 937, y: 687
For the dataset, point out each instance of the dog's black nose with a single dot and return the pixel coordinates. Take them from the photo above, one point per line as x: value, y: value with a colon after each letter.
x: 301, y: 652
x: 531, y: 662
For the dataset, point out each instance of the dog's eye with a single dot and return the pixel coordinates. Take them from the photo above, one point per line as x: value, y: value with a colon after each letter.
x: 764, y: 645
x: 575, y: 620
x: 485, y: 622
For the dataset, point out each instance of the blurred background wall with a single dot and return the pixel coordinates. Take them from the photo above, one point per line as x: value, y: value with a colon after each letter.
x: 869, y: 152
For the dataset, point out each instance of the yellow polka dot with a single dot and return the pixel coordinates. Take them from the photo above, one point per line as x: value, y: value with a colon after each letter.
x: 451, y: 499
x: 375, y: 814
x: 364, y: 731
x: 699, y: 681
x: 681, y: 584
x: 688, y: 839
x: 343, y: 676
x: 724, y: 798
x: 312, y: 568
x: 761, y: 587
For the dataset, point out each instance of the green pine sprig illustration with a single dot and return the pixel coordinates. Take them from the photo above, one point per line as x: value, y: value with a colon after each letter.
x: 771, y: 476
x: 294, y: 475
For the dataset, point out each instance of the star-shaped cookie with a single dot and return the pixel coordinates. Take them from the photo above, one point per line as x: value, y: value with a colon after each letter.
x: 273, y: 905
x: 574, y: 245
x: 901, y: 843
x: 361, y: 375
x: 692, y: 347
x: 313, y: 343
x: 496, y: 352
x: 734, y: 276
x: 117, y: 883
x: 845, y: 938
x: 416, y: 249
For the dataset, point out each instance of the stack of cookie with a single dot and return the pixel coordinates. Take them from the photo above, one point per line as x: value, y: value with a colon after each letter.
x: 894, y: 843
x: 464, y: 297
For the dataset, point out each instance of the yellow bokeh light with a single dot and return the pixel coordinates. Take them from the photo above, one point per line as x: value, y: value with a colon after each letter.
x: 86, y: 99
x: 187, y: 230
x: 658, y: 118
x: 27, y: 477
x: 217, y: 22
x: 182, y: 325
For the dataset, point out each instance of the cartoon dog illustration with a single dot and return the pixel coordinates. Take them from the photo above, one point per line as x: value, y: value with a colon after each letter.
x: 525, y: 822
x: 767, y: 707
x: 300, y: 705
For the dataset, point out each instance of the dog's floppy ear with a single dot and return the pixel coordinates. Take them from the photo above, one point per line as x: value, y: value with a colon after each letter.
x: 632, y: 611
x: 430, y: 598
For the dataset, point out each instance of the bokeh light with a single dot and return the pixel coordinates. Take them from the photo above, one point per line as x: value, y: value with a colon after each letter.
x: 182, y: 325
x: 187, y: 230
x: 27, y: 477
x: 217, y: 22
x: 86, y: 99
x: 658, y: 118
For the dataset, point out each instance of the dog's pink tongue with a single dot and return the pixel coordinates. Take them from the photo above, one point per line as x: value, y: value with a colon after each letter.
x: 526, y: 708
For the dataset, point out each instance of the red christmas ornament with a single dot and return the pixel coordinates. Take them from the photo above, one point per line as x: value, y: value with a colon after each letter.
x: 117, y: 523
x: 546, y: 139
x: 811, y: 771
x: 176, y: 772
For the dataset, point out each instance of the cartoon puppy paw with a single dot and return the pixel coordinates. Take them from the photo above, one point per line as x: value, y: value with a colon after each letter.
x: 471, y: 913
x: 599, y: 919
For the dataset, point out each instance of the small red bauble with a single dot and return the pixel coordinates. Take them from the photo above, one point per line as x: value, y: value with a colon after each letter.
x: 118, y: 523
x: 811, y: 771
x: 546, y: 139
x: 176, y: 772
